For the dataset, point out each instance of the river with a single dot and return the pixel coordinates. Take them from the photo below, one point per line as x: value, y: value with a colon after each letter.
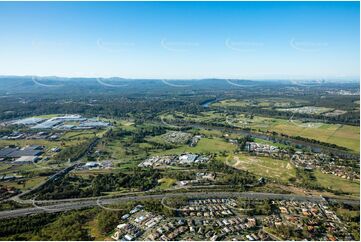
x: 208, y: 102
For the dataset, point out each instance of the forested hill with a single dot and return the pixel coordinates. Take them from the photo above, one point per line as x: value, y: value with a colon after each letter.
x: 27, y: 84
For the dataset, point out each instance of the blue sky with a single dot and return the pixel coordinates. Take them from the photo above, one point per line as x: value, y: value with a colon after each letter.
x: 259, y: 40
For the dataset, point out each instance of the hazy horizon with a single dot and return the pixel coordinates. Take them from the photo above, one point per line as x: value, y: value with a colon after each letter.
x: 327, y: 79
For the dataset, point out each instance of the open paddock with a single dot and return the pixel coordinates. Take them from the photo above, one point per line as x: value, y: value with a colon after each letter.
x: 205, y: 145
x: 338, y: 184
x: 273, y: 169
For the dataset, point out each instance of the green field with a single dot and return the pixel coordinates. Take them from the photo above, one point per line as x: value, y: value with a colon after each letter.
x: 29, y: 183
x: 231, y: 103
x: 115, y: 148
x: 22, y: 143
x: 273, y: 169
x: 205, y: 145
x: 342, y: 135
x: 338, y: 184
x: 77, y: 135
x: 125, y: 124
x: 4, y: 167
x: 210, y: 133
x: 208, y: 117
x: 166, y: 183
x: 87, y: 173
x: 48, y: 116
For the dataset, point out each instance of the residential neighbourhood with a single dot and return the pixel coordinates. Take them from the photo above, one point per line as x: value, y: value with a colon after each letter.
x: 311, y: 220
x: 225, y: 219
x: 307, y: 160
x: 326, y: 164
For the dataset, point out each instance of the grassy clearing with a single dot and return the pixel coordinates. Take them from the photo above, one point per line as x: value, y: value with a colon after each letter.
x: 88, y: 173
x: 77, y: 135
x: 4, y: 167
x: 205, y: 145
x: 25, y: 168
x: 273, y: 169
x: 214, y: 133
x: 29, y: 183
x: 211, y: 133
x: 342, y: 135
x: 338, y: 184
x: 94, y: 231
x: 347, y: 214
x: 115, y: 148
x: 166, y: 183
x: 348, y: 136
x: 125, y: 124
x: 48, y: 115
x: 124, y: 165
x: 211, y: 117
x: 156, y: 139
x: 231, y: 103
x: 22, y: 143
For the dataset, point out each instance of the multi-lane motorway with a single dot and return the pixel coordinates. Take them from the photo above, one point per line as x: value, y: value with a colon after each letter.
x: 51, y: 206
x: 69, y: 204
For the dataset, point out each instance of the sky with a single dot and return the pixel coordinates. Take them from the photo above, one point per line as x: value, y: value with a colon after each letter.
x: 181, y: 40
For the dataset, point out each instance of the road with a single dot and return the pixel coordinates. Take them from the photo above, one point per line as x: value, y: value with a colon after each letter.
x: 78, y: 204
x: 64, y: 171
x: 51, y: 206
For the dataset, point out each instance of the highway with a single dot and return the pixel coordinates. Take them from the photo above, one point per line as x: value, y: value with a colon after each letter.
x: 52, y: 206
x: 64, y: 171
x: 78, y: 204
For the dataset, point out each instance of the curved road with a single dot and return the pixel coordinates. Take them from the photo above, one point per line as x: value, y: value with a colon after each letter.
x: 78, y: 204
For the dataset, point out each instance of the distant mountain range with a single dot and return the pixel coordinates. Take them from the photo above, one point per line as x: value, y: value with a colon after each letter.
x: 27, y: 84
